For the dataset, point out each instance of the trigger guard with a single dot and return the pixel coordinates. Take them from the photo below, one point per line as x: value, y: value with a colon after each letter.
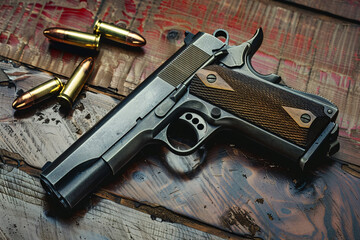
x: 163, y: 138
x: 198, y: 124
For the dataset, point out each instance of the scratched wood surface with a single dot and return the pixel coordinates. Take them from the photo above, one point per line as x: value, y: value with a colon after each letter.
x: 310, y: 51
x: 237, y: 188
x: 344, y: 8
x: 25, y: 214
x: 46, y: 122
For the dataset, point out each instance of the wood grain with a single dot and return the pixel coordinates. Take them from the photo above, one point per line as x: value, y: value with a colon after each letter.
x: 267, y: 199
x: 237, y: 188
x: 43, y: 132
x: 26, y: 214
x: 343, y: 8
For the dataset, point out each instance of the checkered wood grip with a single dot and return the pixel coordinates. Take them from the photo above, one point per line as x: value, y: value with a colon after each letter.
x: 261, y: 103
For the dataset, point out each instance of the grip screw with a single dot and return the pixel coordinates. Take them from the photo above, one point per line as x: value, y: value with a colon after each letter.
x: 211, y: 78
x: 215, y: 112
x: 305, y: 118
x: 329, y: 111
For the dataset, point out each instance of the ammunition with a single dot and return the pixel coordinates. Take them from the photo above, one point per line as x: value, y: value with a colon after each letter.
x: 72, y: 37
x: 76, y: 82
x: 38, y: 94
x: 118, y: 34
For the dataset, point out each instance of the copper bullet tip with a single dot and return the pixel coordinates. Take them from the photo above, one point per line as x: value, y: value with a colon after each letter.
x: 38, y: 94
x: 88, y: 64
x: 135, y: 39
x: 23, y: 101
x: 119, y: 34
x: 55, y: 34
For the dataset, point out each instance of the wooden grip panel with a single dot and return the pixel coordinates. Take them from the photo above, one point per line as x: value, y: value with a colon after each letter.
x: 262, y: 104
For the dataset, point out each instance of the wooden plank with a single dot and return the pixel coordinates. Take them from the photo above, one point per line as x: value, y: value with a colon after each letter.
x: 343, y: 8
x: 289, y: 34
x: 348, y: 147
x: 332, y: 86
x: 350, y: 122
x: 295, y: 75
x: 314, y: 53
x: 239, y: 188
x: 25, y: 214
x: 266, y: 200
x: 337, y: 46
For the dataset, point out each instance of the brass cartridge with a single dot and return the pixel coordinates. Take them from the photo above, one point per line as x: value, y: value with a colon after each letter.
x: 72, y: 37
x: 118, y: 34
x: 76, y: 82
x: 38, y: 94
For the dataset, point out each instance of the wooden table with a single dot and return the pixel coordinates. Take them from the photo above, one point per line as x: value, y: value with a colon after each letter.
x: 238, y: 191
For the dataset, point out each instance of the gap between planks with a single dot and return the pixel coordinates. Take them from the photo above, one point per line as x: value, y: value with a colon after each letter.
x: 157, y: 213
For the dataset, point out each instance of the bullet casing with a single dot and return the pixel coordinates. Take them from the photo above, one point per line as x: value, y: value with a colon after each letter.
x: 38, y: 94
x: 73, y: 37
x: 76, y: 82
x: 119, y: 34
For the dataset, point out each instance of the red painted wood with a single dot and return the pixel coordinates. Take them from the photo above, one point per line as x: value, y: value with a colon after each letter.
x: 344, y: 8
x: 311, y: 52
